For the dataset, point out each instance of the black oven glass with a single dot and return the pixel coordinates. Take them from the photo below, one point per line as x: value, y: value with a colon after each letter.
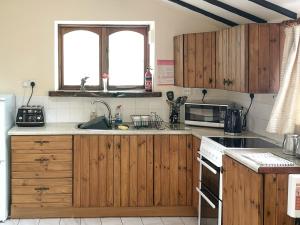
x: 209, y: 179
x: 205, y: 113
x: 209, y: 209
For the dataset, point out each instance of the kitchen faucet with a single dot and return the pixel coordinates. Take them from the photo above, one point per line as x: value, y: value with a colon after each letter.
x: 108, y: 109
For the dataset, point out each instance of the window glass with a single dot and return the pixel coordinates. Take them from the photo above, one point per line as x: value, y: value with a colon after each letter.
x: 81, y: 57
x: 126, y: 59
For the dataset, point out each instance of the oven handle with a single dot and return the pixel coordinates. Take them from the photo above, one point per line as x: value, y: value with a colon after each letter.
x: 207, y: 166
x: 206, y: 198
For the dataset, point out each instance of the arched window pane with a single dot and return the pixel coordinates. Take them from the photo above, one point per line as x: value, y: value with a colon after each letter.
x: 81, y: 57
x: 126, y: 58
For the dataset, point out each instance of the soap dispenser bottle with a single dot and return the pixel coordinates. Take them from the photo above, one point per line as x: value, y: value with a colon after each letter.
x: 118, y: 115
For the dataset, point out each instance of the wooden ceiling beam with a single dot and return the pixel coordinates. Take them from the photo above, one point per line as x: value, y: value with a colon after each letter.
x: 204, y: 12
x: 276, y: 8
x: 236, y: 11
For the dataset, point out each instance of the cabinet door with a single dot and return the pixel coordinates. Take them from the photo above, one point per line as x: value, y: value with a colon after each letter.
x: 178, y: 57
x: 173, y: 168
x: 243, y: 192
x: 264, y: 57
x: 113, y: 171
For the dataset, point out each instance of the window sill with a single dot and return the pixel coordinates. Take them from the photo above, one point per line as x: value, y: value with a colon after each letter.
x: 109, y: 94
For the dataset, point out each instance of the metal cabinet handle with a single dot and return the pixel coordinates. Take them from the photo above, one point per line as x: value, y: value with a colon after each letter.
x: 207, y: 199
x: 42, y: 189
x: 208, y: 166
x: 41, y: 142
x: 41, y: 160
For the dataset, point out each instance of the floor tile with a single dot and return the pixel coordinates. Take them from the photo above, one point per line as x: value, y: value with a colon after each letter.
x: 190, y: 220
x: 132, y: 221
x: 151, y: 220
x: 172, y: 221
x: 49, y: 221
x: 90, y: 221
x: 111, y: 221
x: 69, y: 221
x: 29, y: 222
x: 11, y: 222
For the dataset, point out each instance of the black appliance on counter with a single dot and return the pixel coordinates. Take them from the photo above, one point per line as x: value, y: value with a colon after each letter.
x: 30, y: 116
x: 233, y: 122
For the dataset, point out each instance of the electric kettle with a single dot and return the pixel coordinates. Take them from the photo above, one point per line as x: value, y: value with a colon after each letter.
x: 233, y: 121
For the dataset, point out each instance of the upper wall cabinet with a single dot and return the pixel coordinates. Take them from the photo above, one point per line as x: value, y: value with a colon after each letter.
x: 245, y: 58
x: 266, y: 43
x: 195, y: 56
x: 232, y: 59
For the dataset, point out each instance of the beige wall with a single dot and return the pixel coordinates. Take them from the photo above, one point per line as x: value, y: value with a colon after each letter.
x: 27, y: 32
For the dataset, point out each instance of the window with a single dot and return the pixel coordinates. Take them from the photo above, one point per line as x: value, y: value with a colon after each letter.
x: 91, y: 50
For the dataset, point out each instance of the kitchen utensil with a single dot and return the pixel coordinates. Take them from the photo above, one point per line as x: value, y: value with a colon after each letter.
x: 233, y: 121
x: 170, y: 95
x: 290, y: 144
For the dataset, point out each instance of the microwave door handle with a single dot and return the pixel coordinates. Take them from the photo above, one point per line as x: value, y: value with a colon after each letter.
x: 207, y: 166
x: 206, y: 199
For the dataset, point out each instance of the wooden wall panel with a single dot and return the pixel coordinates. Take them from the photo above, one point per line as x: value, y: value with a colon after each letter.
x: 253, y: 57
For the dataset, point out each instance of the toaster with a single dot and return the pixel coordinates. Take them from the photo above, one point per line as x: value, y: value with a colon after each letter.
x: 30, y: 116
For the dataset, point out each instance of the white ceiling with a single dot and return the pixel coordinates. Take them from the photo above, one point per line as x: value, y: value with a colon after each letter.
x: 249, y: 7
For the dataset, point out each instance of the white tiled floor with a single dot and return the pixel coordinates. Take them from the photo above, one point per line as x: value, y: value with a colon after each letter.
x: 108, y: 221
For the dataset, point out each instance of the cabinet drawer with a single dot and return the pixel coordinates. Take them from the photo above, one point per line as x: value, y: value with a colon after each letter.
x: 40, y: 182
x: 42, y: 174
x: 41, y: 189
x: 42, y: 167
x: 41, y: 158
x: 42, y: 205
x: 42, y: 198
x: 41, y: 142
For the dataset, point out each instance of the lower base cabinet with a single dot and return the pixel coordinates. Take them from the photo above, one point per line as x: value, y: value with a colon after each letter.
x: 104, y: 175
x: 250, y: 198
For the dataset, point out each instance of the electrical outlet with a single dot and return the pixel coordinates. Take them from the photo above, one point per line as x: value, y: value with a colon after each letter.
x: 26, y: 83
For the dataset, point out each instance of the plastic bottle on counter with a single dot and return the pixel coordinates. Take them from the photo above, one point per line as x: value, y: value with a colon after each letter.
x: 118, y: 115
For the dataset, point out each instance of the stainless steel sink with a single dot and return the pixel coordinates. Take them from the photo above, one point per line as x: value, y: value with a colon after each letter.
x: 99, y: 123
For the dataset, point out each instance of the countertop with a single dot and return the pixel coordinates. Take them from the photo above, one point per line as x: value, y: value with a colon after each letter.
x: 237, y: 154
x: 71, y: 129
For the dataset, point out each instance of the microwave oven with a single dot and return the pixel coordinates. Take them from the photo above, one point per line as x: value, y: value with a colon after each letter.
x: 205, y: 114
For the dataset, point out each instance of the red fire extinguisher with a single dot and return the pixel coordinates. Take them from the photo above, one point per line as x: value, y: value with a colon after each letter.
x: 148, y: 80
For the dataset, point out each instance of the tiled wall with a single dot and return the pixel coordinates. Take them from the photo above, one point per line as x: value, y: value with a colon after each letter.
x: 65, y: 109
x: 59, y: 109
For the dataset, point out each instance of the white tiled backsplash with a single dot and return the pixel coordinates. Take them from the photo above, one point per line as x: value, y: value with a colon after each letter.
x: 67, y: 109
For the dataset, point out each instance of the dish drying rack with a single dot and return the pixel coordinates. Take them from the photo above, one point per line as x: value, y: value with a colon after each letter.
x: 147, y: 121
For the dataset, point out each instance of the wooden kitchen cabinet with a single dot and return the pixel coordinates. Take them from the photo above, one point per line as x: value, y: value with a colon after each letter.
x: 195, y: 57
x: 41, y: 171
x: 232, y: 59
x: 113, y: 171
x: 173, y: 170
x: 257, y: 199
x: 265, y: 51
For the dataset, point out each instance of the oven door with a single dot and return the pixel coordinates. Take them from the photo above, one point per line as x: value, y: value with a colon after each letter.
x: 210, y: 208
x: 210, y: 177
